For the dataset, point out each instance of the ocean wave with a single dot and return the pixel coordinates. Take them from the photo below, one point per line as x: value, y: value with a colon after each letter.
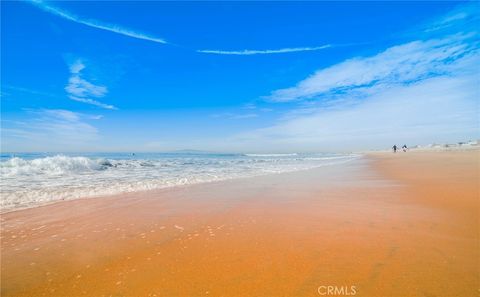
x: 29, y: 181
x: 272, y: 155
x: 56, y: 165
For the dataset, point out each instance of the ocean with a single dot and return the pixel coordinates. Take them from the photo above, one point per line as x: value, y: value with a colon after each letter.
x: 32, y: 179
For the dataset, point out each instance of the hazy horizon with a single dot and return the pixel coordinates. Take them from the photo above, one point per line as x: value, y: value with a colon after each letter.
x: 193, y: 151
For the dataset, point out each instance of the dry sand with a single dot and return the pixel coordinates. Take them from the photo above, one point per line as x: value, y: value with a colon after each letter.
x: 404, y: 224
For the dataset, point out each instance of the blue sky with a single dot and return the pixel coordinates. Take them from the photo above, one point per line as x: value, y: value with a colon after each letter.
x: 228, y: 76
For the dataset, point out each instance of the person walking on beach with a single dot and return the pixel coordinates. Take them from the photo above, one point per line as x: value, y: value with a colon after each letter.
x: 404, y: 147
x: 394, y: 147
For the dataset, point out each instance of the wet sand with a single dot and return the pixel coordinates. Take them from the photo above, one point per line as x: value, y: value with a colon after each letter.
x: 389, y: 225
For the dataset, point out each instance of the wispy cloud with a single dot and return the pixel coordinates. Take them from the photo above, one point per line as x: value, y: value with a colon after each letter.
x: 140, y: 35
x: 440, y: 109
x: 247, y: 52
x: 249, y: 106
x: 234, y: 116
x: 26, y: 90
x: 452, y: 36
x: 418, y: 92
x: 400, y: 64
x: 244, y: 116
x: 457, y: 19
x: 92, y: 102
x: 94, y: 23
x: 49, y: 128
x: 81, y: 90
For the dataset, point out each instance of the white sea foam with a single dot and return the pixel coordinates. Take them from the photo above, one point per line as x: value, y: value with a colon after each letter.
x: 56, y: 165
x: 32, y: 180
x: 271, y: 155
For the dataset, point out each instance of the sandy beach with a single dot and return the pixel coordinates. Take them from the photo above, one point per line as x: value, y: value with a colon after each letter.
x: 404, y: 224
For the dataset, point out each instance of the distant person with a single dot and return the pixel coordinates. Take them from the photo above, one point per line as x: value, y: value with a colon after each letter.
x: 404, y: 147
x: 394, y: 147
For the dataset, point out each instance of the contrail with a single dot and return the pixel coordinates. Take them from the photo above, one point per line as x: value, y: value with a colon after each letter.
x: 95, y: 24
x: 138, y: 35
x: 265, y: 52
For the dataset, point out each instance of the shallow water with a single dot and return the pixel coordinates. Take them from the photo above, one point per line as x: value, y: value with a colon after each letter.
x: 33, y: 179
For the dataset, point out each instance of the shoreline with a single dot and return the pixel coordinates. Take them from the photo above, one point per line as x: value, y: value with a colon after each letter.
x: 159, y: 190
x: 390, y: 225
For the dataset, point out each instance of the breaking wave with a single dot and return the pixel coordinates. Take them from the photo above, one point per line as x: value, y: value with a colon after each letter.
x: 28, y: 181
x: 271, y: 155
x: 56, y: 165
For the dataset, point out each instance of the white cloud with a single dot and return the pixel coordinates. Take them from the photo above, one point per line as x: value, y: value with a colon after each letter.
x: 61, y: 114
x: 80, y: 87
x: 47, y: 129
x: 249, y: 106
x: 462, y: 17
x: 95, y: 117
x: 439, y: 109
x: 447, y: 22
x: 81, y: 90
x: 96, y: 24
x: 244, y: 116
x: 233, y: 116
x: 419, y: 92
x: 25, y: 90
x: 139, y: 35
x: 76, y: 67
x: 265, y: 52
x: 401, y: 64
x: 92, y: 102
